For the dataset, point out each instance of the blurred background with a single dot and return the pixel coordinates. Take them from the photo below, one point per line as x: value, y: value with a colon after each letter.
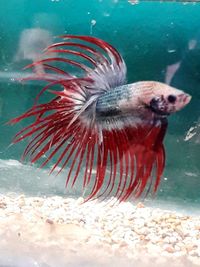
x: 158, y: 40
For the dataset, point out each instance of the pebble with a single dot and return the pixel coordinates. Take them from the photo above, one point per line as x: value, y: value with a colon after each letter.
x: 169, y: 249
x: 124, y: 228
x: 140, y: 205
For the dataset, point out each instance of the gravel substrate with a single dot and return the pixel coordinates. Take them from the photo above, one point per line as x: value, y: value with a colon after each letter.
x: 96, y: 233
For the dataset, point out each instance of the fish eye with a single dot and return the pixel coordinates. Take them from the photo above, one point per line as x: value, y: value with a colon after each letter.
x: 171, y: 98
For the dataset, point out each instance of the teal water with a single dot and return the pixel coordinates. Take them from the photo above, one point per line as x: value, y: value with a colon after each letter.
x: 153, y: 37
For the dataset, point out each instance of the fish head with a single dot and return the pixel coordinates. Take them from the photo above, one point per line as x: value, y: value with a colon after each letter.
x: 162, y: 99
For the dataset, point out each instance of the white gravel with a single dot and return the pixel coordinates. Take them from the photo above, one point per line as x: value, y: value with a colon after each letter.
x: 58, y: 231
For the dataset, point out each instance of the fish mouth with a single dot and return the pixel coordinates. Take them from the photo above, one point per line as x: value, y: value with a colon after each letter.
x: 186, y: 99
x: 183, y: 100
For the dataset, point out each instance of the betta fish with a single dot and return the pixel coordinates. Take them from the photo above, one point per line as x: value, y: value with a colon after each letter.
x: 109, y: 133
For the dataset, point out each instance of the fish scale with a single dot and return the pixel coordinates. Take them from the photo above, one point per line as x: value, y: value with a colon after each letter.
x: 108, y: 103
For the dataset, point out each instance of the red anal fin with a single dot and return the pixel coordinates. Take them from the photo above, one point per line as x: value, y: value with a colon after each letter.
x: 150, y: 157
x: 138, y: 154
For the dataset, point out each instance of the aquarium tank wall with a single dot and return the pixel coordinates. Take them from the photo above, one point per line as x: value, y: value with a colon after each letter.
x: 159, y: 41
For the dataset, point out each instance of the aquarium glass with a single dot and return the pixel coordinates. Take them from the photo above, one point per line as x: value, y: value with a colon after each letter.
x: 159, y: 40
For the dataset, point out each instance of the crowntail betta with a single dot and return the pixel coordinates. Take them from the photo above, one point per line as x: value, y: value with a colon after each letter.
x: 108, y: 132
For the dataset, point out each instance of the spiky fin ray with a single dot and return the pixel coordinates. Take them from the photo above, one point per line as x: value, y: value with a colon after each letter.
x: 115, y: 152
x: 129, y: 155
